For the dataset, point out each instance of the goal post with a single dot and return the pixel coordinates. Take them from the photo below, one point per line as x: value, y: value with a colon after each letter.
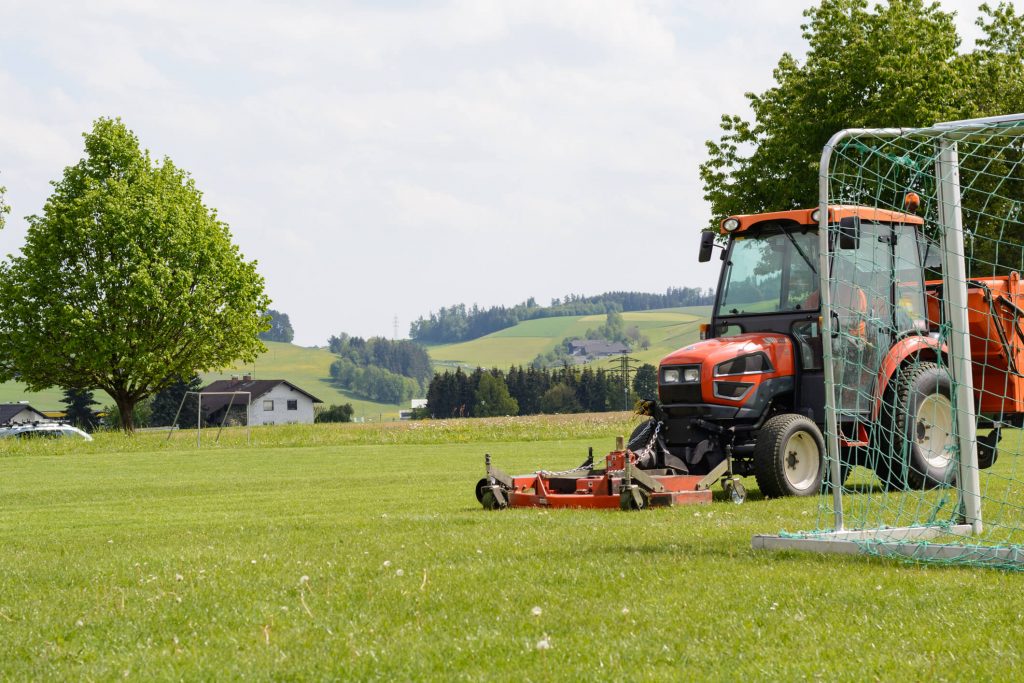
x: 936, y: 357
x: 227, y: 411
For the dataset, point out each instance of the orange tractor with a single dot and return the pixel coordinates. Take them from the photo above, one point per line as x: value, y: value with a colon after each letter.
x: 749, y: 397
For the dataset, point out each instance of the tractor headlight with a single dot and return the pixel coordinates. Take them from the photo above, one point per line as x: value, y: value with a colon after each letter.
x: 680, y: 375
x: 730, y: 224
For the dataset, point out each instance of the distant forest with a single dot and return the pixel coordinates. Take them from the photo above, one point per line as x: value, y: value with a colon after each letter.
x: 529, y: 391
x: 379, y: 369
x: 458, y: 323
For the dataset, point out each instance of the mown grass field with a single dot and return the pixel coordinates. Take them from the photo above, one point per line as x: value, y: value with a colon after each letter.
x: 668, y: 329
x: 359, y: 552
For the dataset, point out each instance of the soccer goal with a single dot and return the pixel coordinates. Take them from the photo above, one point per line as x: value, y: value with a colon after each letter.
x: 921, y: 252
x: 216, y: 401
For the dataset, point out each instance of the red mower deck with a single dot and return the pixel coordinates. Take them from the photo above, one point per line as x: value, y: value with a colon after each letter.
x: 621, y: 485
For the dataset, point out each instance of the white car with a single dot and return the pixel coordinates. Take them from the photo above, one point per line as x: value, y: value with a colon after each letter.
x: 44, y: 430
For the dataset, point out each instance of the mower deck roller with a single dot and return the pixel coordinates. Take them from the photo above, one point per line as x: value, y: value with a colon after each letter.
x: 620, y: 485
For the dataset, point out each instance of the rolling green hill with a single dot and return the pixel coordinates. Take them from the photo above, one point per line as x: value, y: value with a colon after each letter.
x: 309, y: 368
x: 668, y: 329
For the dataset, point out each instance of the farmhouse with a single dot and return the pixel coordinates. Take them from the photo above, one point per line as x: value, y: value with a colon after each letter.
x: 20, y: 413
x: 267, y: 401
x: 596, y: 348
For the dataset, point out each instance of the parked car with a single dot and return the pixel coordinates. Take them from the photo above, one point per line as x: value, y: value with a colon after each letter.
x: 50, y: 430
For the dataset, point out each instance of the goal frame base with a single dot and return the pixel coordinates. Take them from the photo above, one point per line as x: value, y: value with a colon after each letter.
x: 898, y: 542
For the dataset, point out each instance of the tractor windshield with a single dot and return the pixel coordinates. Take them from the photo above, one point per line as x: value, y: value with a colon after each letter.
x: 772, y: 271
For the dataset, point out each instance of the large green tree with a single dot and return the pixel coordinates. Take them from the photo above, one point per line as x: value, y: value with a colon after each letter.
x: 896, y: 64
x: 126, y: 281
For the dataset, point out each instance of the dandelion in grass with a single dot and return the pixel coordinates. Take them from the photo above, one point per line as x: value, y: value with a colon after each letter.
x: 536, y: 611
x: 303, y: 579
x: 399, y: 572
x: 544, y: 643
x: 387, y: 563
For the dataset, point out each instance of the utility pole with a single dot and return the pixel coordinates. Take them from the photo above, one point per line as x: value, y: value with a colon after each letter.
x: 624, y: 371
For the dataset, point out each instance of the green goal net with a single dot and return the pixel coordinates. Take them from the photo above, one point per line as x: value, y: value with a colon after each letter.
x: 922, y: 247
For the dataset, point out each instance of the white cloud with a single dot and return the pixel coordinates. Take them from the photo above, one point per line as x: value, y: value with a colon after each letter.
x: 383, y: 159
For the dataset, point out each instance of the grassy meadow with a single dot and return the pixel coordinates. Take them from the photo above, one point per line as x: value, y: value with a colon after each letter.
x: 668, y: 329
x: 359, y: 552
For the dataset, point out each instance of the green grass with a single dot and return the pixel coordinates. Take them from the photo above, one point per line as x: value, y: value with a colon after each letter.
x: 154, y: 560
x: 668, y: 329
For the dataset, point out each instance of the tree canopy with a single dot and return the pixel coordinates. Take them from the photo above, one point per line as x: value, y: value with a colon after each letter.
x: 4, y: 208
x: 896, y: 64
x: 280, y: 327
x: 126, y: 281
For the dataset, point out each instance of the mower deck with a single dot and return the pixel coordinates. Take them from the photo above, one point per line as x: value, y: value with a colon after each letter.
x: 621, y: 485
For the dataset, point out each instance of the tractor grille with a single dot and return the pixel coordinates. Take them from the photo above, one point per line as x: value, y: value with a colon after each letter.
x: 680, y: 393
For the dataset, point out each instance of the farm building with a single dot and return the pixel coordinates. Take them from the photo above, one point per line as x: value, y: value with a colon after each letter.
x: 20, y: 413
x: 596, y: 348
x: 270, y: 401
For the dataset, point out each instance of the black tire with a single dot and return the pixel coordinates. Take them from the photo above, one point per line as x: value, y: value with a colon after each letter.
x: 789, y: 457
x: 641, y: 436
x: 918, y: 446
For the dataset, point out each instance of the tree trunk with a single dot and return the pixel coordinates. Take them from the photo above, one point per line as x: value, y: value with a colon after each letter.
x: 126, y: 408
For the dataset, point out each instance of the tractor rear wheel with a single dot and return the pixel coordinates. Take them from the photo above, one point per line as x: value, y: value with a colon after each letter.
x: 921, y: 446
x: 789, y: 457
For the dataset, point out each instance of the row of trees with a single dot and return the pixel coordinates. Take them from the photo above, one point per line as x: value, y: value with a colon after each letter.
x: 373, y: 383
x: 379, y: 369
x: 402, y: 357
x: 460, y: 323
x: 529, y: 391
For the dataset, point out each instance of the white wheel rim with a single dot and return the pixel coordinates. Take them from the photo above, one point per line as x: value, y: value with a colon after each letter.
x: 801, y: 461
x: 933, y: 432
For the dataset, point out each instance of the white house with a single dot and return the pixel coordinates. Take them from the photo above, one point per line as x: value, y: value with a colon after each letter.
x: 270, y: 401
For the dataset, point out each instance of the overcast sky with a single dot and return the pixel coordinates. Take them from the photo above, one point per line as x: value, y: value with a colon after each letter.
x: 383, y: 159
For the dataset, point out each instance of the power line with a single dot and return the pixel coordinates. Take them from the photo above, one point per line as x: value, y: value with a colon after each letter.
x: 624, y: 371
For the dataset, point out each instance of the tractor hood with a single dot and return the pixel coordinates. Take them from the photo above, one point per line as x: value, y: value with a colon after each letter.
x: 730, y: 370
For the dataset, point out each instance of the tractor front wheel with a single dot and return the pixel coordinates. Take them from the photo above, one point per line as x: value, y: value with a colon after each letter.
x: 789, y: 457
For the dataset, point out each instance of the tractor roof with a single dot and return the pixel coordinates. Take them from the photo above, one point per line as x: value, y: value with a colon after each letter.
x: 836, y: 212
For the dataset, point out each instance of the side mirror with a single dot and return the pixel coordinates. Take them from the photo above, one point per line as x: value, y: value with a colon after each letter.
x: 849, y: 232
x: 707, y: 243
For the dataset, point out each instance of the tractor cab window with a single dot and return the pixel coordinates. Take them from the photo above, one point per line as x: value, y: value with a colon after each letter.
x: 771, y: 271
x: 877, y: 295
x: 911, y: 313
